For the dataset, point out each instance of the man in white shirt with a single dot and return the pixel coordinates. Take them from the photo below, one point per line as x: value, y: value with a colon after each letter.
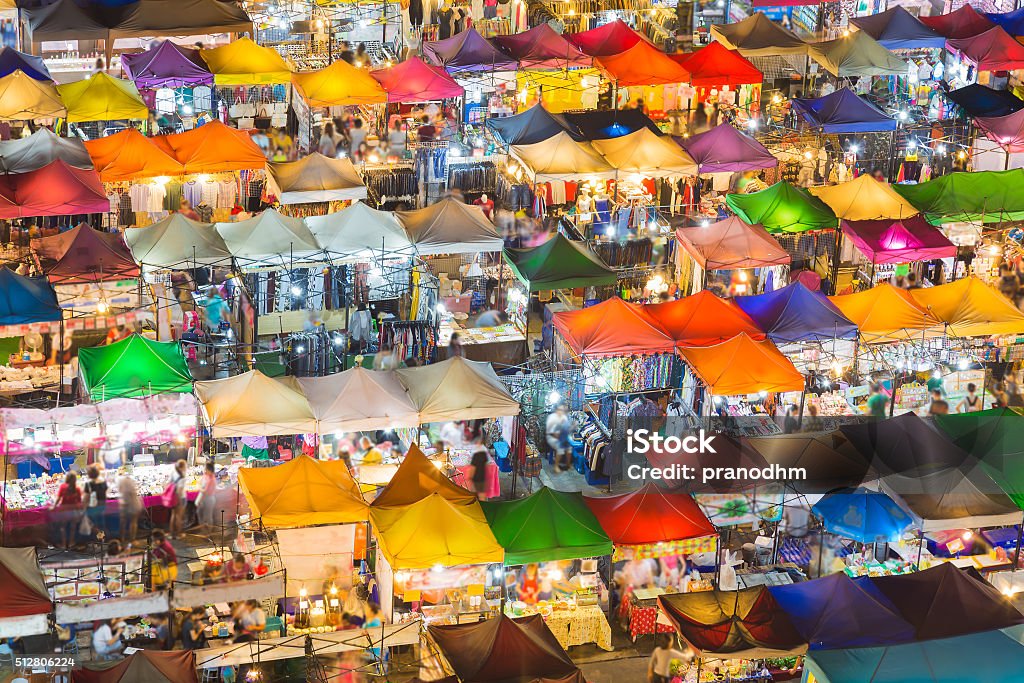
x: 106, y: 640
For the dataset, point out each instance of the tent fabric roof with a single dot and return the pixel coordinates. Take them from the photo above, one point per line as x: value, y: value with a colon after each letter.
x: 723, y: 148
x: 168, y: 65
x: 102, y: 98
x: 25, y: 300
x: 303, y: 492
x: 1012, y: 21
x: 56, y: 189
x: 758, y: 36
x: 650, y: 515
x: 316, y: 178
x: 951, y: 499
x: 43, y: 147
x: 34, y: 67
x: 996, y: 437
x: 83, y: 254
x: 213, y: 148
x: 176, y: 241
x: 418, y: 478
x: 1007, y: 131
x: 134, y: 367
x: 794, y: 313
x: 148, y: 18
x: 534, y: 125
x: 981, y: 196
x: 434, y: 531
x: 961, y: 23
x: 252, y: 404
x: 605, y: 124
x: 338, y: 84
x: 66, y: 20
x: 730, y: 244
x: 829, y: 460
x: 243, y: 62
x: 993, y: 50
x: 898, y: 29
x: 906, y: 445
x: 545, y: 526
x: 559, y: 264
x: 457, y: 389
x: 467, y: 51
x: 269, y: 237
x: 971, y: 308
x: 612, y: 38
x: 359, y: 232
x: 887, y: 241
x: 611, y: 328
x: 981, y: 100
x: 542, y: 48
x: 857, y: 54
x: 507, y: 650
x: 702, y: 319
x: 22, y: 98
x: 450, y: 227
x: 359, y: 400
x: 130, y: 155
x: 646, y: 153
x: 843, y: 112
x: 862, y: 515
x: 783, y: 208
x: 142, y: 666
x: 716, y: 65
x: 416, y: 81
x: 864, y: 199
x: 561, y: 157
x: 742, y: 365
x: 642, y: 64
x: 24, y: 591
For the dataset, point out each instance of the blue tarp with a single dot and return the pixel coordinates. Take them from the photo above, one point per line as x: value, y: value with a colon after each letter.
x: 11, y: 60
x: 862, y: 515
x: 898, y: 29
x: 797, y: 314
x: 843, y: 112
x: 1012, y: 22
x: 980, y: 100
x: 534, y: 125
x: 25, y: 300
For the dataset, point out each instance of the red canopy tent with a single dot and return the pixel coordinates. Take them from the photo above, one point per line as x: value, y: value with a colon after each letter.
x: 963, y: 23
x: 716, y: 65
x: 612, y: 328
x: 84, y: 255
x: 23, y: 593
x: 416, y: 81
x: 610, y: 39
x: 993, y: 50
x: 910, y: 239
x: 143, y: 666
x: 542, y: 48
x: 643, y: 64
x: 56, y: 189
x: 650, y: 515
x: 703, y: 319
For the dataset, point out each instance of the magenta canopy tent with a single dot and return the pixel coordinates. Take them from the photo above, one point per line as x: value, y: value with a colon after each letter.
x: 888, y: 241
x: 1006, y: 131
x: 542, y: 48
x: 723, y: 148
x: 416, y: 81
x: 467, y: 51
x: 167, y: 65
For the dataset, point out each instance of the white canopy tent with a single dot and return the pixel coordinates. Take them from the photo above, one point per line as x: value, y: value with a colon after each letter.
x: 252, y: 404
x: 360, y: 233
x: 359, y: 399
x: 176, y: 241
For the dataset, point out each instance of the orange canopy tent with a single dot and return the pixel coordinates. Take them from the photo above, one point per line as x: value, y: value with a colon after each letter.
x: 886, y: 313
x: 129, y: 155
x: 613, y: 328
x: 703, y: 319
x: 643, y: 64
x: 715, y: 65
x: 971, y: 308
x: 743, y: 366
x: 418, y: 478
x: 212, y: 148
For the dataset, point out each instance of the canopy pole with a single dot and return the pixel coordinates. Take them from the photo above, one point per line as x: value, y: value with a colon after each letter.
x: 1020, y: 537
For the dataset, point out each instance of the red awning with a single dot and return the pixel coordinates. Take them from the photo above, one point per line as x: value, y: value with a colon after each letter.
x: 715, y: 64
x: 609, y: 39
x: 650, y: 515
x: 56, y: 189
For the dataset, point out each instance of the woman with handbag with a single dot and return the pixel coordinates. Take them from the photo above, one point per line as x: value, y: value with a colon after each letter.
x: 67, y: 510
x: 95, y: 491
x: 176, y: 498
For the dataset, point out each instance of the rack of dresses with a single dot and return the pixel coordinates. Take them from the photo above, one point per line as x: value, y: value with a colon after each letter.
x: 621, y: 253
x: 410, y: 338
x: 310, y: 354
x: 473, y: 176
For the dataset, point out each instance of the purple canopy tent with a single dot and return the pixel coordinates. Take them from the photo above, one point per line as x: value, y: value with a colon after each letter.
x: 723, y: 148
x: 902, y: 241
x: 1006, y: 131
x: 542, y: 48
x: 795, y: 313
x: 467, y: 51
x: 167, y: 66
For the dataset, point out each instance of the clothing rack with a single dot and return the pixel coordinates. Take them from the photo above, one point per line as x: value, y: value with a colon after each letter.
x: 473, y: 176
x: 410, y: 338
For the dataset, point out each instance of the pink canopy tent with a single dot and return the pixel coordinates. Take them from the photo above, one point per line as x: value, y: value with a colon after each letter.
x: 732, y: 244
x: 610, y: 39
x: 416, y: 81
x: 542, y: 48
x: 1006, y: 131
x: 910, y: 239
x: 993, y: 50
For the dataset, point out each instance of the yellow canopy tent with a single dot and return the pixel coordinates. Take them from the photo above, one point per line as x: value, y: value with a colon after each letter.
x: 561, y: 157
x: 22, y: 98
x: 416, y: 479
x: 864, y: 199
x: 742, y: 365
x: 252, y: 404
x: 303, y: 492
x: 885, y: 313
x: 102, y: 98
x: 243, y: 62
x: 435, y: 532
x: 648, y: 154
x: 561, y: 90
x: 971, y: 308
x: 338, y: 85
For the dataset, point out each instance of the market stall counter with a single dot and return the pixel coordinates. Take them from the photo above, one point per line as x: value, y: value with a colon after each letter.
x: 572, y: 623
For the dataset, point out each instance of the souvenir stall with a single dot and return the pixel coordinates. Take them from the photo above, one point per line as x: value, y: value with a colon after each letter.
x: 253, y: 83
x: 29, y: 313
x: 751, y: 258
x: 552, y: 545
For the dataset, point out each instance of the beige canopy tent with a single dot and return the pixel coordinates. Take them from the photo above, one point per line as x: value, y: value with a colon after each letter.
x: 252, y: 404
x: 648, y: 154
x: 864, y: 199
x: 561, y: 157
x: 176, y: 241
x: 269, y: 238
x: 22, y: 98
x: 758, y: 36
x: 315, y: 178
x: 360, y: 232
x: 457, y: 389
x: 359, y: 400
x: 450, y: 227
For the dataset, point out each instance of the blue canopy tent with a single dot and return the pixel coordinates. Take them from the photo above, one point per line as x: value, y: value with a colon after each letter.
x: 862, y: 515
x: 980, y: 100
x: 25, y: 300
x: 898, y: 29
x: 1012, y: 22
x: 835, y: 612
x: 794, y: 313
x: 604, y: 124
x: 844, y: 112
x: 534, y: 125
x: 11, y: 60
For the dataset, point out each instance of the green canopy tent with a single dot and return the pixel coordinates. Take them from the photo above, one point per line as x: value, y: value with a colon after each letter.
x: 996, y: 438
x: 783, y: 208
x: 559, y: 263
x: 134, y: 367
x: 545, y: 526
x: 856, y: 54
x: 979, y: 196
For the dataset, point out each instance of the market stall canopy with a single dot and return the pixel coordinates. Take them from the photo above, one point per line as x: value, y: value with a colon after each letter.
x: 905, y: 445
x: 863, y: 515
x: 1012, y: 21
x: 604, y: 124
x: 795, y: 313
x: 971, y: 308
x: 864, y: 199
x: 130, y: 155
x: 358, y: 400
x: 742, y: 365
x: 67, y: 20
x: 133, y: 367
x: 980, y: 196
x: 22, y: 98
x: 951, y: 499
x: 612, y: 38
x: 509, y: 650
x: 168, y: 65
x: 416, y: 479
x: 315, y: 178
x: 561, y: 157
x: 542, y: 48
x: 25, y: 300
x: 723, y: 148
x: 545, y: 526
x: 450, y: 227
x: 534, y: 125
x: 213, y: 148
x: 716, y: 65
x: 467, y: 52
x: 339, y: 84
x: 642, y: 64
x: 83, y: 255
x: 747, y: 623
x: 559, y: 263
x: 457, y: 389
x: 961, y: 23
x: 269, y: 237
x: 993, y: 50
x: 835, y: 611
x: 360, y: 232
x: 43, y: 147
x: 142, y: 666
x: 416, y: 81
x: 252, y: 404
x: 24, y: 592
x: 898, y: 29
x: 243, y: 62
x: 783, y: 208
x: 1007, y: 131
x: 613, y: 328
x: 857, y: 54
x: 758, y: 36
x: 905, y: 241
x: 149, y: 18
x: 996, y: 437
x: 843, y: 112
x: 981, y: 100
x: 646, y: 154
x: 433, y: 531
x: 829, y: 461
x: 102, y: 98
x: 730, y: 244
x: 303, y: 492
x: 177, y: 241
x: 650, y: 515
x: 702, y: 319
x: 34, y: 67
